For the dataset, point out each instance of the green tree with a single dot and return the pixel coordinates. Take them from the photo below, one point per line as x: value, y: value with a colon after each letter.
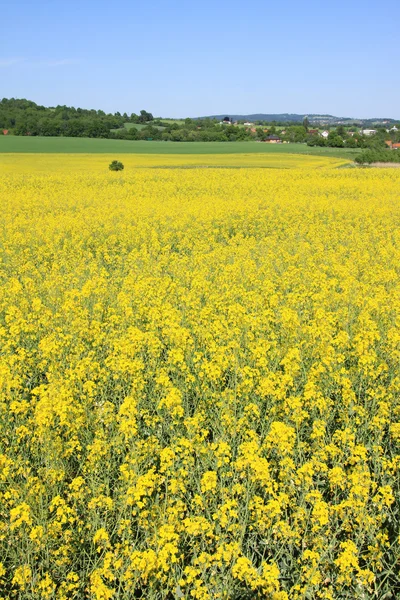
x: 296, y: 133
x: 350, y: 142
x: 145, y: 116
x: 116, y: 165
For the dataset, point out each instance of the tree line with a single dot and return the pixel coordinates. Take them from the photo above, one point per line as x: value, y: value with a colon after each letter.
x: 24, y: 117
x: 374, y: 155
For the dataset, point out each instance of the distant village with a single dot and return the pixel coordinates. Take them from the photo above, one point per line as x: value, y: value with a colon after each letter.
x: 278, y: 137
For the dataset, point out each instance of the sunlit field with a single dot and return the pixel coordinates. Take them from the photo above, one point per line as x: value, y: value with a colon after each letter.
x: 98, y: 163
x: 200, y: 387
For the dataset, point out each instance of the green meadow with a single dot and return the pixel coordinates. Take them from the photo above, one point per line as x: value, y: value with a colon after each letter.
x: 105, y: 146
x: 138, y: 126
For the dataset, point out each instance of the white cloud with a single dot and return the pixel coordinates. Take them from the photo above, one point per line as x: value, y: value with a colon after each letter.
x: 9, y: 62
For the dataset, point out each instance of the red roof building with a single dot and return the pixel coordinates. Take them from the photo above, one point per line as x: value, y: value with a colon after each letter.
x: 393, y: 145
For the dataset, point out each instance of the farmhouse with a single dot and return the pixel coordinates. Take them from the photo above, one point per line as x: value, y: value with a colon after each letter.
x: 313, y: 131
x: 273, y: 139
x: 325, y: 134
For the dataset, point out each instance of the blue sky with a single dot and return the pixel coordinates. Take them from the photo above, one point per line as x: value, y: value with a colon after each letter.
x: 188, y: 58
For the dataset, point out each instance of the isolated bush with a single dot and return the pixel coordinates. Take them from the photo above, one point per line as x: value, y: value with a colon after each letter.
x: 116, y: 165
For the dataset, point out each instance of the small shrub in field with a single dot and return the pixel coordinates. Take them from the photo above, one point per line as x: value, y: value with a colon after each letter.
x: 116, y: 165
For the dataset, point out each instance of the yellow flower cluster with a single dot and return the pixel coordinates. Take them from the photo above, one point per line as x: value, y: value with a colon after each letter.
x: 200, y: 393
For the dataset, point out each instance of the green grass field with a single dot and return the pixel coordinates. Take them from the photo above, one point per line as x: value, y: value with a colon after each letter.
x: 172, y: 121
x: 139, y: 126
x: 90, y: 146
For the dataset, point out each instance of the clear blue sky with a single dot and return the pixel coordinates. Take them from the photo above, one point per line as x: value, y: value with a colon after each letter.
x: 189, y: 58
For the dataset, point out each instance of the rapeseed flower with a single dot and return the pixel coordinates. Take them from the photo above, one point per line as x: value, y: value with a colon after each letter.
x: 199, y: 379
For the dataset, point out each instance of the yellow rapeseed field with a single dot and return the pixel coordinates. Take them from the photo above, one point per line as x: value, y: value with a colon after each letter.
x: 200, y: 386
x: 97, y: 163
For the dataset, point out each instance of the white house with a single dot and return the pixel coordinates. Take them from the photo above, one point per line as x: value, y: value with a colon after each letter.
x: 368, y: 131
x: 324, y: 134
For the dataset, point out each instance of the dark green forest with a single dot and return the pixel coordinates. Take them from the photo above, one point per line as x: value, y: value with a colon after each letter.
x: 24, y: 117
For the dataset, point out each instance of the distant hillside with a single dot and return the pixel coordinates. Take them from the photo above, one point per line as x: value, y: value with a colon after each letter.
x: 296, y: 118
x: 268, y: 117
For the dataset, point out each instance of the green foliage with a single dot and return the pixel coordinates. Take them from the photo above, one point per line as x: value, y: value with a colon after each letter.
x: 25, y: 118
x: 145, y: 116
x: 116, y: 165
x: 296, y: 133
x: 372, y: 155
x: 316, y: 140
x: 335, y: 141
x: 350, y: 142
